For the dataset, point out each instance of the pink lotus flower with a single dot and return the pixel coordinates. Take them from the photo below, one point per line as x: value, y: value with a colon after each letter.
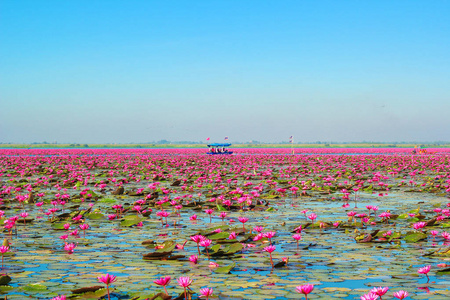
x: 387, y: 234
x: 64, y: 237
x: 193, y: 259
x: 369, y: 296
x: 107, y: 279
x: 197, y: 239
x: 84, y: 227
x: 69, y: 248
x: 305, y: 289
x: 270, y: 249
x: 205, y: 243
x: 184, y: 282
x: 269, y: 235
x: 163, y: 281
x: 206, y: 292
x: 209, y: 212
x: 243, y: 220
x: 297, y: 237
x: 3, y: 250
x: 298, y: 229
x: 425, y: 271
x: 77, y: 218
x: 181, y: 246
x: 401, y: 294
x: 312, y: 217
x: 380, y: 291
x: 419, y: 225
x: 258, y: 228
x: 24, y: 215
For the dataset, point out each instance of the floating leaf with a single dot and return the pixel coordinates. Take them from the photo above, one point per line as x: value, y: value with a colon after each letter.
x: 59, y: 226
x: 95, y: 216
x: 4, y: 279
x: 415, y: 237
x: 225, y: 269
x: 219, y: 236
x: 6, y: 288
x: 221, y: 208
x: 35, y: 287
x: 107, y: 200
x: 130, y: 221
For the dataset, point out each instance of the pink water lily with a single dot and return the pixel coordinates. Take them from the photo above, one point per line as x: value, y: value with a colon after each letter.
x: 305, y: 289
x: 184, y: 282
x: 163, y: 281
x: 107, y: 279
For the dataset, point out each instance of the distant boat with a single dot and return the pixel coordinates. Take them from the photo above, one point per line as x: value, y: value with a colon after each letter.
x: 219, y: 149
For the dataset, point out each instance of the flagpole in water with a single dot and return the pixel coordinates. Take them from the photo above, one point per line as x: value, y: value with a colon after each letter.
x: 292, y: 145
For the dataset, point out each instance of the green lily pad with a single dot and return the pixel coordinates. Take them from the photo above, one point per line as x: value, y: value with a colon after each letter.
x: 219, y: 236
x: 4, y: 279
x: 221, y: 208
x: 95, y: 216
x: 130, y: 221
x: 107, y: 200
x: 6, y: 288
x: 59, y: 225
x: 35, y: 287
x: 414, y: 237
x: 226, y: 269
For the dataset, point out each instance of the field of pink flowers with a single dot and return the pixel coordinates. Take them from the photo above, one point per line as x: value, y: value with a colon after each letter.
x: 200, y: 151
x: 342, y: 223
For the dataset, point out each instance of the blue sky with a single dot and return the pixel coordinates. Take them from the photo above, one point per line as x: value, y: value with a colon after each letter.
x: 141, y: 71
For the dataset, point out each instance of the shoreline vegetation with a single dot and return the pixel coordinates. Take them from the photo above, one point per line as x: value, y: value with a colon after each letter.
x: 234, y: 145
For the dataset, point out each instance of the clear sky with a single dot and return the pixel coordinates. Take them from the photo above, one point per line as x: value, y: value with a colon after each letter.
x: 102, y: 71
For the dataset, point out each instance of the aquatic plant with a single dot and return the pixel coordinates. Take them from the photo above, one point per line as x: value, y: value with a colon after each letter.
x: 107, y: 279
x: 184, y: 282
x: 163, y: 281
x: 305, y: 289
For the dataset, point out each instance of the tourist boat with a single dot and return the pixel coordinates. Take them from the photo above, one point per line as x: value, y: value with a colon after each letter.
x: 220, y: 149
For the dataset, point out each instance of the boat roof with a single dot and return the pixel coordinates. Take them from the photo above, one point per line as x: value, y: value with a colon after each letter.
x: 219, y: 145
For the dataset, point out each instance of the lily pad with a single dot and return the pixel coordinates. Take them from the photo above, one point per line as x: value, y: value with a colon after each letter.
x: 414, y: 237
x: 225, y: 269
x: 130, y: 221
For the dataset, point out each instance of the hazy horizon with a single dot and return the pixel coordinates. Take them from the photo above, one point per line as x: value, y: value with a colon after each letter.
x: 122, y: 71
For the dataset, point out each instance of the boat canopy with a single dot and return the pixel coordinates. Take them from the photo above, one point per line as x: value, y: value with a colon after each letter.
x: 219, y: 145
